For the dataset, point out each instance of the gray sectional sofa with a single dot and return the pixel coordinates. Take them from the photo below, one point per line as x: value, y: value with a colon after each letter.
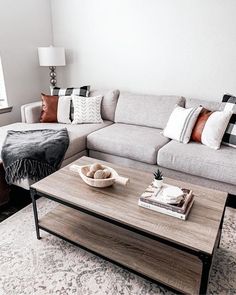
x: 131, y: 135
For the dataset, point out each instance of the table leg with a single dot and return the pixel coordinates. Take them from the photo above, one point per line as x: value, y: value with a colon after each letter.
x: 221, y: 227
x: 206, y: 267
x: 33, y: 196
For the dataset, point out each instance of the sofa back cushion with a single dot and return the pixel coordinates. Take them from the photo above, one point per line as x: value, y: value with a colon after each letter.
x: 109, y: 102
x: 146, y: 110
x: 210, y: 105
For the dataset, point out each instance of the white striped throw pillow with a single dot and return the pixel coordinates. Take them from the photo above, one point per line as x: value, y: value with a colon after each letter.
x: 181, y: 122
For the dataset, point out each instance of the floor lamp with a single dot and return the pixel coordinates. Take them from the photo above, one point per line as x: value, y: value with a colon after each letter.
x: 52, y: 57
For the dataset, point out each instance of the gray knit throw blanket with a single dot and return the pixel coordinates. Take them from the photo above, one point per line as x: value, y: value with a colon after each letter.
x: 33, y: 154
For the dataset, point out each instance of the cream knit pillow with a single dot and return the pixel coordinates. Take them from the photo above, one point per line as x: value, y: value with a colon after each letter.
x: 87, y: 109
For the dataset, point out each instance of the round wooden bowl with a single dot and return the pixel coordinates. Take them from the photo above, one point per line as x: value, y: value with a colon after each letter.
x: 114, y: 178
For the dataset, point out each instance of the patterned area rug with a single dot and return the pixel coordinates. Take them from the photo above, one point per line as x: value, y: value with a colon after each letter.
x: 52, y: 266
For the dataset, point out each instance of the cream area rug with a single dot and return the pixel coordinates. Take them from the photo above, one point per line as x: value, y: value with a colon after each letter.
x: 53, y: 266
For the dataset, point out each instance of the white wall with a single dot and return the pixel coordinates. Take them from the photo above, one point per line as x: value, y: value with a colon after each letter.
x: 185, y: 47
x: 24, y: 26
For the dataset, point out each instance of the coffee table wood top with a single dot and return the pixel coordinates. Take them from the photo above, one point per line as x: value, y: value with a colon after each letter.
x: 120, y: 203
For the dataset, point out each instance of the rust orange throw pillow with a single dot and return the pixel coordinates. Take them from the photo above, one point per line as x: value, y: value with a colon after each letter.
x: 49, y: 108
x: 199, y: 126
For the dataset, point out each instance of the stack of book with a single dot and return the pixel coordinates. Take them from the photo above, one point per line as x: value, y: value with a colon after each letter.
x: 168, y: 199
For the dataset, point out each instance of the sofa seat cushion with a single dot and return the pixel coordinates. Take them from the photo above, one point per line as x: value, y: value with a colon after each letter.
x: 129, y: 141
x: 77, y: 133
x: 197, y: 159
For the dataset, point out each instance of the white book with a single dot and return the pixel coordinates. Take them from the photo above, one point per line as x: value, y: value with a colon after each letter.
x: 166, y: 211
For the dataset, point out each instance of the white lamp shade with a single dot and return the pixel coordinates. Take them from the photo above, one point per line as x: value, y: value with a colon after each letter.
x: 51, y: 56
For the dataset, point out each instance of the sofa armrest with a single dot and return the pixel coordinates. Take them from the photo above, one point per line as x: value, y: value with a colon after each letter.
x: 30, y: 113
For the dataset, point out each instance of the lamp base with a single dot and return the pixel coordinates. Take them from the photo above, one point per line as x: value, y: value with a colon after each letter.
x: 53, y: 75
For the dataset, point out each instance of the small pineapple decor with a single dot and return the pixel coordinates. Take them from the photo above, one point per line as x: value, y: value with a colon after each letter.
x: 158, y: 178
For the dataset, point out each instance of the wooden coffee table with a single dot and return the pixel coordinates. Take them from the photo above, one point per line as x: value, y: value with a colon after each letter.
x: 109, y: 222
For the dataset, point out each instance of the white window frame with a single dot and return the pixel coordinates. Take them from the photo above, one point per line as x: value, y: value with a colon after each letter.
x: 3, y: 95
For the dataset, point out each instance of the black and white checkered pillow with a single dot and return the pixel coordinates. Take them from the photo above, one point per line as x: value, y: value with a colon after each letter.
x: 81, y: 91
x: 229, y: 138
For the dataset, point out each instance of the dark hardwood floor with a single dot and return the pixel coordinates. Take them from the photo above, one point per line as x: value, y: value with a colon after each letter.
x: 231, y: 201
x: 19, y: 198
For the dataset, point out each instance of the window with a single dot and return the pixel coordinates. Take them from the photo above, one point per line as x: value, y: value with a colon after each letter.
x: 3, y: 96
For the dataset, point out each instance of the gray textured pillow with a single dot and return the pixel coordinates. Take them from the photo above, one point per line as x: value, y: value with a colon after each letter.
x: 109, y: 102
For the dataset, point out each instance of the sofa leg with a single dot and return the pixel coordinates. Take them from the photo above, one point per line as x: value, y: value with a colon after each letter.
x: 231, y: 201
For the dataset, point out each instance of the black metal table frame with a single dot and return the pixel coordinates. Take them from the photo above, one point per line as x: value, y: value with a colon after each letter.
x: 204, y: 257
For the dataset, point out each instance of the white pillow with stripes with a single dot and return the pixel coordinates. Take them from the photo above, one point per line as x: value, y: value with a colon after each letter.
x: 87, y: 109
x: 63, y: 110
x: 181, y: 122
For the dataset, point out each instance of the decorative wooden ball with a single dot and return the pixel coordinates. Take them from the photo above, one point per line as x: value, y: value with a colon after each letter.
x: 108, y: 172
x: 100, y: 174
x: 95, y: 167
x: 90, y: 174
